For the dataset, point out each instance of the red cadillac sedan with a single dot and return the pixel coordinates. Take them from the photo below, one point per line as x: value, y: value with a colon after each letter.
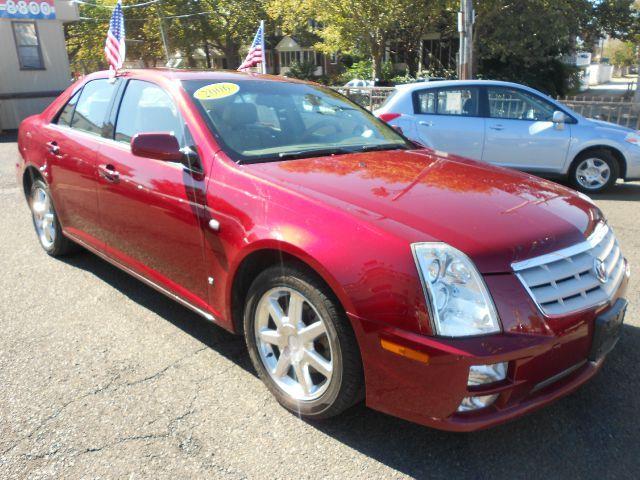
x: 357, y: 265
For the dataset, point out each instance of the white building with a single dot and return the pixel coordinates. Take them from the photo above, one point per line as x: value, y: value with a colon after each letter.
x: 34, y: 66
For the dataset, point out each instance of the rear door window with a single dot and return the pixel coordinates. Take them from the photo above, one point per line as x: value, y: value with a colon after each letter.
x: 92, y: 108
x: 463, y: 102
x: 147, y: 108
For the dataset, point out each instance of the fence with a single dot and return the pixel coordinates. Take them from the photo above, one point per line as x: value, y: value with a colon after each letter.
x: 621, y: 113
x: 368, y: 97
x: 613, y: 109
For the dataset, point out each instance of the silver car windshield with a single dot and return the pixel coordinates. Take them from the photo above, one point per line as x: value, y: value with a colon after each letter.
x: 257, y: 121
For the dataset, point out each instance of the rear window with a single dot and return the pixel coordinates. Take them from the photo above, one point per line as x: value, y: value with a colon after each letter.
x: 426, y: 101
x: 66, y: 115
x: 388, y: 99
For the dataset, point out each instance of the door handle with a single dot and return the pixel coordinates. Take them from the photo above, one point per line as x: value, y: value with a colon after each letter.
x: 497, y: 127
x: 109, y: 173
x: 53, y: 147
x: 425, y: 124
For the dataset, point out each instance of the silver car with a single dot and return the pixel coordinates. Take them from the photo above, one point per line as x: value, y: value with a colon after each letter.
x: 515, y: 126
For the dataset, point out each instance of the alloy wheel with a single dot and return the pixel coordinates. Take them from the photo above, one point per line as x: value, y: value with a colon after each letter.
x: 44, y: 217
x: 593, y: 173
x: 293, y: 344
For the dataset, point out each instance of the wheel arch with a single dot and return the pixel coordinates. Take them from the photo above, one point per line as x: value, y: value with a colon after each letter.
x: 30, y: 175
x: 267, y: 255
x: 617, y: 154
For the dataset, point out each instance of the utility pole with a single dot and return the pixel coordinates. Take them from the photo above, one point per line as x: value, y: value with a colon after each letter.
x: 466, y: 19
x: 163, y: 35
x: 636, y: 96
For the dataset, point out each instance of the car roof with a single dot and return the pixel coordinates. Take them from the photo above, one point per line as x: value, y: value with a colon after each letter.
x: 456, y: 83
x: 182, y: 74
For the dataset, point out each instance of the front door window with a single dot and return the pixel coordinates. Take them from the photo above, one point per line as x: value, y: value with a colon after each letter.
x: 514, y: 104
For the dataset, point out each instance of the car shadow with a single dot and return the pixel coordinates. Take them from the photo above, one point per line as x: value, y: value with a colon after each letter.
x: 215, y: 337
x: 621, y: 191
x: 592, y: 433
x: 8, y: 136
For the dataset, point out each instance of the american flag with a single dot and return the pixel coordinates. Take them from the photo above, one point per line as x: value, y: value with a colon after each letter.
x: 255, y: 56
x: 114, y: 47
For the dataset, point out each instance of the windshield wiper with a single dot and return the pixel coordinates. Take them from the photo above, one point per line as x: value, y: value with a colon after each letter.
x: 314, y: 153
x: 323, y: 152
x: 388, y: 146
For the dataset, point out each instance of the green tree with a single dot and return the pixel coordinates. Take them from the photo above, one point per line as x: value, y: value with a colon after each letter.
x: 362, y: 70
x: 424, y: 16
x: 303, y: 70
x: 232, y: 24
x: 192, y: 26
x: 621, y: 54
x: 525, y: 41
x: 351, y: 26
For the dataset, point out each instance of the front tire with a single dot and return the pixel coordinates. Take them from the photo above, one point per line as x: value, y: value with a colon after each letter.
x: 302, y: 344
x: 594, y: 172
x: 45, y: 221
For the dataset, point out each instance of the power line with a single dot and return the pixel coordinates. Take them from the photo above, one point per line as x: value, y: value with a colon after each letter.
x: 146, y: 19
x: 143, y: 4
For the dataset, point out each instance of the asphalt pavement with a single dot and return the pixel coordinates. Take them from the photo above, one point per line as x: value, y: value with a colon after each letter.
x: 102, y: 377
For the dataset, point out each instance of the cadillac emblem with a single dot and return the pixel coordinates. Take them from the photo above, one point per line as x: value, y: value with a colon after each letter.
x: 600, y: 270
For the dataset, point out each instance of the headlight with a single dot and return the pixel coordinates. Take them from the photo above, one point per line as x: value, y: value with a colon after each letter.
x: 633, y: 138
x: 458, y: 299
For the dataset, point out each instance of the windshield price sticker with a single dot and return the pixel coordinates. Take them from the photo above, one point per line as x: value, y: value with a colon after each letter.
x: 216, y: 91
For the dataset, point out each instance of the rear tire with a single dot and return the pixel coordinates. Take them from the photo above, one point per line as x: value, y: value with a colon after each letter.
x: 46, y: 223
x: 301, y: 343
x: 594, y: 172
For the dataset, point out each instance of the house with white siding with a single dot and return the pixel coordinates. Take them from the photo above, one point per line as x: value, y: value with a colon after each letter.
x: 34, y: 66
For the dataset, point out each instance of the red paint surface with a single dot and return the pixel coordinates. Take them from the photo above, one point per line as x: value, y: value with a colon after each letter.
x: 350, y: 218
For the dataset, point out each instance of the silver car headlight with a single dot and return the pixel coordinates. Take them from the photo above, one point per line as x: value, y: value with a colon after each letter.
x: 459, y: 302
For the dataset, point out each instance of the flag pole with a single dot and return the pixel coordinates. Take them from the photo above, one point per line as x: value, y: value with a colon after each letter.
x: 263, y: 68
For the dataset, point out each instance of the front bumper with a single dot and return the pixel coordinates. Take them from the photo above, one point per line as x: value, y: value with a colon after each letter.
x: 543, y: 367
x: 632, y: 156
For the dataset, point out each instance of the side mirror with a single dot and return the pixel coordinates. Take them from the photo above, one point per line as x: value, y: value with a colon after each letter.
x: 559, y: 117
x: 158, y: 146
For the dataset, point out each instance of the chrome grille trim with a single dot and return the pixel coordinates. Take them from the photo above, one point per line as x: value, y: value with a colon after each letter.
x: 565, y: 281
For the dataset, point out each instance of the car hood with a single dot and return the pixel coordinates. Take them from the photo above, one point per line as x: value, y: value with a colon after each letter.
x: 496, y: 216
x: 610, y: 127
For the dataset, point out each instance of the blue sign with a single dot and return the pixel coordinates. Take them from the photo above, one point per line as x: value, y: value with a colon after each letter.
x: 34, y: 10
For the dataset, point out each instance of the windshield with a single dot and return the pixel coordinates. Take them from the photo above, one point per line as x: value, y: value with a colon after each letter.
x: 257, y: 121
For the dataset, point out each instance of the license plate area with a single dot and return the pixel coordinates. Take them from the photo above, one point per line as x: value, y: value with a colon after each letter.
x: 607, y: 330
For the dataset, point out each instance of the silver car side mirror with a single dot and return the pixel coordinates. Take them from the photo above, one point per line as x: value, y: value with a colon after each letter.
x: 558, y: 119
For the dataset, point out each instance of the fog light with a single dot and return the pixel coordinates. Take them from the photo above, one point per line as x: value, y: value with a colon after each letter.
x: 474, y: 403
x: 485, y: 374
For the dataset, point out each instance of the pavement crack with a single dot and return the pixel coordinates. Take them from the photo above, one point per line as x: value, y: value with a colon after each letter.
x: 56, y: 413
x: 162, y: 371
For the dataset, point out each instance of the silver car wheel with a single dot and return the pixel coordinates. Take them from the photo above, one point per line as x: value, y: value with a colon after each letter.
x: 293, y: 344
x: 593, y: 173
x: 43, y: 217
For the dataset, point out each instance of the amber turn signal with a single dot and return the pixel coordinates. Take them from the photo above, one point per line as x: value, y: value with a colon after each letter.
x: 404, y: 351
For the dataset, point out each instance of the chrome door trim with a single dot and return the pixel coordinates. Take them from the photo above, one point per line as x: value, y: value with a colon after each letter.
x: 143, y: 279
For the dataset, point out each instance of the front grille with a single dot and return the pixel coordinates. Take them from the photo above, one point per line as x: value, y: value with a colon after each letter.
x: 574, y: 278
